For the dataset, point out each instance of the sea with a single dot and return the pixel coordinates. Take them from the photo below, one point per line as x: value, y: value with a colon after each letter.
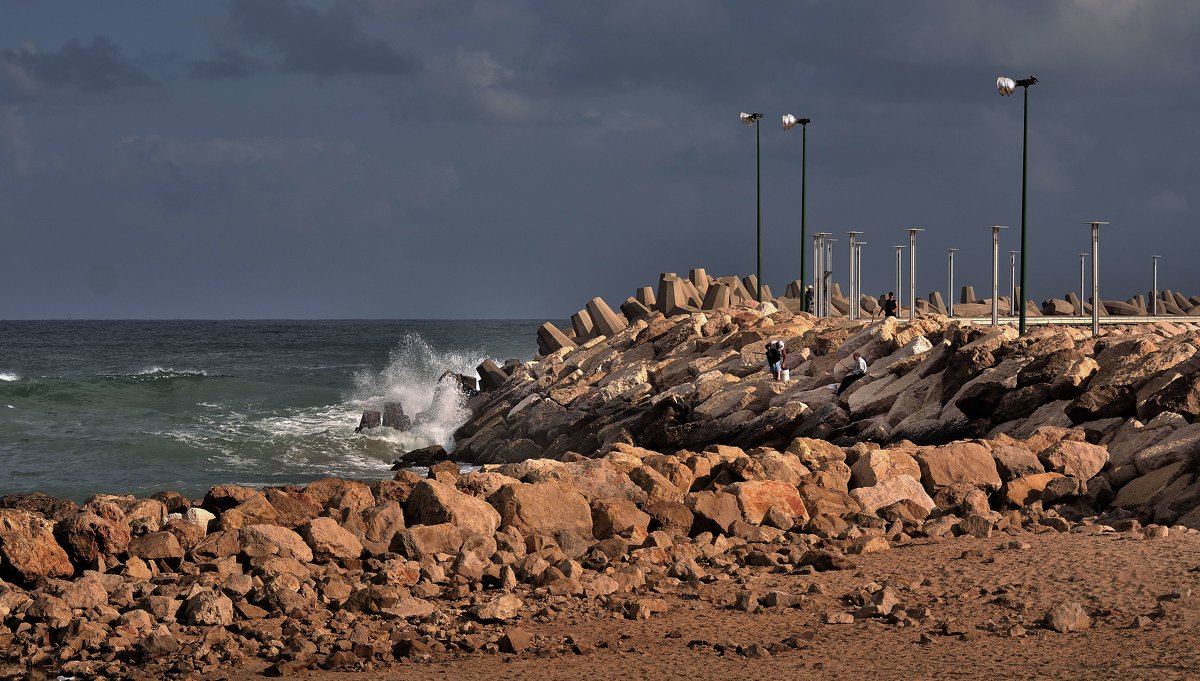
x: 136, y: 407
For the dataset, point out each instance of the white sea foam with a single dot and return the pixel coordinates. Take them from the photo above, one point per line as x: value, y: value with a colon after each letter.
x: 6, y: 376
x: 413, y: 377
x: 168, y: 372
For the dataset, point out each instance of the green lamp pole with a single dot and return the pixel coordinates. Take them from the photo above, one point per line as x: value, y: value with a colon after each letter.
x: 1007, y: 86
x: 752, y: 119
x: 790, y: 121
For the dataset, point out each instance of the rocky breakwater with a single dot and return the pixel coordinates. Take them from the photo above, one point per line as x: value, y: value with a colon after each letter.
x: 1127, y: 400
x: 342, y: 574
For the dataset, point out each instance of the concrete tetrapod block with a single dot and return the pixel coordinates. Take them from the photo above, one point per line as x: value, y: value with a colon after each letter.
x: 581, y: 322
x: 794, y: 290
x: 699, y: 279
x: 1031, y: 309
x: 1057, y: 306
x: 665, y: 286
x: 490, y: 375
x: 1074, y: 301
x: 645, y: 296
x: 632, y: 309
x: 695, y: 298
x: 836, y: 289
x: 1139, y: 301
x: 718, y: 297
x: 767, y: 293
x: 1193, y: 301
x: 935, y: 299
x: 1167, y: 307
x: 672, y: 296
x: 1121, y: 308
x: 550, y: 339
x: 1180, y: 301
x: 605, y: 321
x: 968, y: 295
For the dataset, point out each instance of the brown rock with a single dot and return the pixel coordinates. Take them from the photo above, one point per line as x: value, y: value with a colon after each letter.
x: 1077, y: 459
x: 619, y: 516
x: 756, y: 497
x: 714, y: 512
x: 433, y: 503
x: 878, y: 465
x: 421, y: 541
x: 515, y: 641
x: 97, y: 530
x: 156, y: 546
x: 50, y: 508
x: 656, y: 487
x: 673, y: 518
x: 958, y: 463
x: 1027, y: 489
x: 380, y: 524
x: 890, y: 491
x: 269, y: 540
x: 28, y: 548
x: 542, y: 507
x: 1014, y: 462
x: 208, y: 609
x: 329, y: 541
x: 1067, y: 617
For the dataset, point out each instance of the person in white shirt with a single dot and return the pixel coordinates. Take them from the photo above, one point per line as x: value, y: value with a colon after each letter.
x: 857, y: 370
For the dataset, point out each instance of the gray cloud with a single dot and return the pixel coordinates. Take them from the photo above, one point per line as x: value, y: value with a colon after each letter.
x: 94, y: 67
x: 227, y: 63
x: 301, y: 38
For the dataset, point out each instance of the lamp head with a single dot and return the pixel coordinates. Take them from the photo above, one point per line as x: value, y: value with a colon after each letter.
x: 790, y: 121
x: 749, y: 118
x: 1005, y: 85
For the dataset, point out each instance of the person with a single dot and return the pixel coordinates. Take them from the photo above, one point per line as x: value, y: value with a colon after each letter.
x: 857, y: 370
x: 808, y: 299
x: 776, y: 356
x: 889, y: 305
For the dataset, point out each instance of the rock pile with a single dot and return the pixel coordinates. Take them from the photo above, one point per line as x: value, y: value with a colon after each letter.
x: 342, y: 574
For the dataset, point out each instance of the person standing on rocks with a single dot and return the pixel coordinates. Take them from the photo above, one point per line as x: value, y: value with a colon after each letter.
x: 776, y: 356
x: 808, y: 299
x: 857, y: 370
x: 889, y: 305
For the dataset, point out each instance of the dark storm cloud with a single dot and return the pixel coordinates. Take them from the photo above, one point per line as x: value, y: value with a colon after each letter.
x: 227, y: 63
x: 91, y: 67
x: 305, y: 39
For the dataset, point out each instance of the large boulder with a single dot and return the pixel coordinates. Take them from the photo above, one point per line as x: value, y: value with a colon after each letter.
x: 612, y: 517
x: 714, y: 512
x: 1078, y: 459
x: 98, y: 530
x: 424, y: 541
x: 1026, y: 489
x: 330, y: 541
x: 28, y: 548
x: 958, y: 463
x: 891, y: 490
x: 433, y: 503
x: 878, y: 465
x: 756, y: 497
x: 542, y: 507
x: 156, y: 546
x: 257, y: 541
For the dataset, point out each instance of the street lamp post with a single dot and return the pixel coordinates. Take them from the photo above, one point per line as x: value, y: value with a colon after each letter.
x: 752, y: 119
x: 858, y: 277
x: 851, y: 276
x: 1007, y: 86
x: 1095, y: 275
x: 819, y: 273
x: 1012, y: 281
x: 829, y: 240
x: 899, y: 269
x: 950, y: 280
x: 996, y: 272
x: 789, y: 121
x: 1082, y: 280
x: 912, y: 272
x: 1154, y: 291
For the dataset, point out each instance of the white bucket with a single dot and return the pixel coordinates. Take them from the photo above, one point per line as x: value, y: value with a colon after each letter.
x: 787, y: 374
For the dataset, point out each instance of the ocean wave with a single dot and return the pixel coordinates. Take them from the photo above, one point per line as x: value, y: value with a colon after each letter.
x: 161, y: 372
x: 9, y: 377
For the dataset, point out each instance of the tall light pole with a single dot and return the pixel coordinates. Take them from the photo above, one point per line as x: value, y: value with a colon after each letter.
x: 899, y: 269
x: 789, y: 121
x: 851, y: 280
x: 1007, y: 86
x: 858, y: 276
x: 912, y: 272
x: 996, y: 272
x: 1012, y: 281
x: 950, y: 280
x: 829, y: 279
x: 819, y: 272
x: 1082, y: 281
x: 1095, y: 275
x: 752, y: 119
x: 1154, y: 298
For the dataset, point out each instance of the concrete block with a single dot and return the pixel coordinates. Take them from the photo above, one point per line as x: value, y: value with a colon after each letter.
x: 968, y: 295
x: 794, y: 289
x: 1057, y: 306
x: 1074, y: 301
x: 605, y: 321
x: 490, y: 375
x: 718, y: 297
x: 1121, y: 308
x: 837, y: 290
x: 695, y: 298
x: 550, y: 339
x: 632, y: 309
x: 935, y: 299
x: 671, y: 294
x: 582, y: 323
x: 645, y: 296
x: 1180, y: 301
x: 1031, y: 309
x: 767, y: 293
x: 699, y: 279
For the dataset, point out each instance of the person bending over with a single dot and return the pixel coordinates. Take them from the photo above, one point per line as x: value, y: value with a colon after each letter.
x: 776, y: 356
x: 857, y: 371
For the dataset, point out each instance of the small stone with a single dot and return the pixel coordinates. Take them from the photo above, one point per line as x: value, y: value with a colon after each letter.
x: 837, y: 618
x: 1067, y: 617
x: 516, y: 641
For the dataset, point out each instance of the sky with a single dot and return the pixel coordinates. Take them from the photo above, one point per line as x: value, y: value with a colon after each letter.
x: 441, y: 159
